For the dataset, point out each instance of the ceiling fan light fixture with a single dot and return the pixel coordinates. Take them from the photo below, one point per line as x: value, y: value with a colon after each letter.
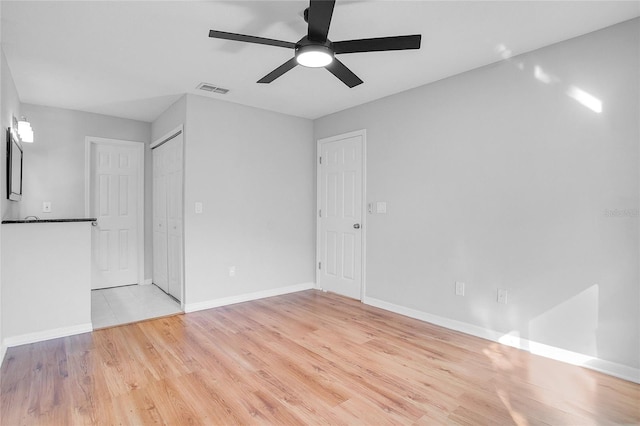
x: 314, y: 56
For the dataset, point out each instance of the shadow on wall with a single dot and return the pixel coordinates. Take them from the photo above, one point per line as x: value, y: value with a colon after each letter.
x: 550, y: 383
x: 572, y: 323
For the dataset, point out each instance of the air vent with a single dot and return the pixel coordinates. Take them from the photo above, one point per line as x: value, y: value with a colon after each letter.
x: 212, y: 88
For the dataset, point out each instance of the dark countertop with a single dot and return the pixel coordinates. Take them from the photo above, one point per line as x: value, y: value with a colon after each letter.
x: 83, y: 219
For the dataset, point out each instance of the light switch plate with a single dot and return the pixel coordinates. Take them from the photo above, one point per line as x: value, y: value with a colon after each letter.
x: 46, y: 207
x: 198, y: 207
x: 381, y: 207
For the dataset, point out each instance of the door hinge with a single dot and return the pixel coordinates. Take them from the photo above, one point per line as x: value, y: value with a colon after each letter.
x: 320, y: 160
x: 319, y: 265
x: 320, y: 213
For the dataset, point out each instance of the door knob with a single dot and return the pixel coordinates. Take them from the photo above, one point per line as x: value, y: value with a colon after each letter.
x: 356, y: 226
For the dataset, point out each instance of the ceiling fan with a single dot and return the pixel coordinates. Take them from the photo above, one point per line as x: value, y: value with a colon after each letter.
x: 316, y: 50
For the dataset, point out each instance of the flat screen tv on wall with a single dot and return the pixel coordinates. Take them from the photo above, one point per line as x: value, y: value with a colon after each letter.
x: 14, y: 167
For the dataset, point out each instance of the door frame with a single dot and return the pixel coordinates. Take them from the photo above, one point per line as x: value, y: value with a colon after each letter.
x: 90, y: 143
x: 363, y: 205
x: 154, y: 144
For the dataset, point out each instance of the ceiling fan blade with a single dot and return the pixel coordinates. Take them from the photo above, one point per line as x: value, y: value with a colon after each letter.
x: 345, y: 75
x: 320, y: 12
x: 250, y: 39
x: 378, y: 44
x: 287, y: 66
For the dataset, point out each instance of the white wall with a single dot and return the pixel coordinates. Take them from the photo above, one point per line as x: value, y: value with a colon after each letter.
x: 499, y: 177
x: 253, y: 171
x: 54, y: 166
x: 54, y: 298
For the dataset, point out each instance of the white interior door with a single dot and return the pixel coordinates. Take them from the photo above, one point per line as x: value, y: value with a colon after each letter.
x: 167, y: 215
x: 340, y: 216
x: 115, y: 203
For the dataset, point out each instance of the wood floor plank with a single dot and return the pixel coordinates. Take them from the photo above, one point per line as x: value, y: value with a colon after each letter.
x: 368, y: 375
x: 303, y: 358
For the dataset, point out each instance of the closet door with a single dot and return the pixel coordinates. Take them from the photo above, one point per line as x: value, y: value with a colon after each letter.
x: 160, y: 219
x: 174, y: 216
x: 167, y: 216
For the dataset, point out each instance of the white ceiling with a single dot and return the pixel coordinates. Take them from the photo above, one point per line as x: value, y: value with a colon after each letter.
x: 134, y: 59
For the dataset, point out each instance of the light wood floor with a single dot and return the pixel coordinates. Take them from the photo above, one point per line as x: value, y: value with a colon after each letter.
x: 308, y: 357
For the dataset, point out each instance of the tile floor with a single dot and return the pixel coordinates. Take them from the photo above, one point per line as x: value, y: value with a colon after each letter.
x: 121, y: 305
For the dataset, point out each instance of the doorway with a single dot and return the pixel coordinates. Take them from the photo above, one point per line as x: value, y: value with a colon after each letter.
x: 341, y: 222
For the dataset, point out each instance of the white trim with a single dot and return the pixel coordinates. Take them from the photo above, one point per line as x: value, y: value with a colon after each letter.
x: 39, y: 336
x: 247, y: 297
x: 147, y: 281
x: 603, y: 366
x: 139, y: 146
x: 363, y: 205
x: 3, y: 352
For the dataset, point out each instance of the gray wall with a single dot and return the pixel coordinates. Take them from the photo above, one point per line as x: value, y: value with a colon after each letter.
x: 253, y: 171
x: 9, y: 107
x: 499, y: 177
x: 2, y: 172
x: 174, y: 116
x: 54, y: 165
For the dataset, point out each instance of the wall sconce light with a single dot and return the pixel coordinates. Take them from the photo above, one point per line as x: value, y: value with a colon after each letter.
x: 25, y: 131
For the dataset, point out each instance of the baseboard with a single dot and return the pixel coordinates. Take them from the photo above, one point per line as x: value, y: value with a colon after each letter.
x: 39, y: 336
x: 215, y: 303
x: 147, y: 281
x: 603, y: 366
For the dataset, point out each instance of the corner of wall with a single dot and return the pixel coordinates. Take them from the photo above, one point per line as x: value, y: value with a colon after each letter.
x: 10, y: 107
x: 3, y: 352
x: 3, y: 349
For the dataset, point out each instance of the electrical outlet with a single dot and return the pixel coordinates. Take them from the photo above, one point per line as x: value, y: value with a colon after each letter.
x: 198, y: 207
x: 232, y: 271
x: 459, y: 288
x: 502, y: 296
x: 46, y: 207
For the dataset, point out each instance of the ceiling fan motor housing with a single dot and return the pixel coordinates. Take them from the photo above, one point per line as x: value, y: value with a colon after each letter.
x: 306, y: 46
